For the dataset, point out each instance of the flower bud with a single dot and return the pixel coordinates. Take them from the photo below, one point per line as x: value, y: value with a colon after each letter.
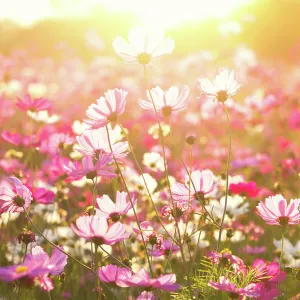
x: 26, y: 237
x: 229, y: 233
x: 190, y: 139
x: 90, y: 210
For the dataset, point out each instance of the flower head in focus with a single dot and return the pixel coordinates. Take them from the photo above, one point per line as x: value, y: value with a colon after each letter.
x: 223, y: 86
x: 167, y: 101
x: 111, y: 210
x: 114, y: 274
x: 95, y: 228
x: 107, y: 109
x: 276, y: 211
x: 143, y: 46
x: 13, y: 199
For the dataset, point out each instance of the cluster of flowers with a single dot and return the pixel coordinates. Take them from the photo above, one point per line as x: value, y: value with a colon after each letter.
x: 170, y: 220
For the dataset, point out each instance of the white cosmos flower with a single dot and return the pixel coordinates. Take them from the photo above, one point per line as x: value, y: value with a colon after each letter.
x: 153, y: 161
x: 223, y: 86
x: 288, y: 247
x: 143, y: 45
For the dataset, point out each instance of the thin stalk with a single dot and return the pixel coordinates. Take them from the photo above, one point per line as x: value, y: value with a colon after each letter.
x: 280, y: 260
x: 55, y: 246
x: 49, y: 296
x: 131, y: 202
x: 227, y: 177
x: 26, y: 245
x: 167, y: 176
x: 115, y: 258
x: 148, y: 191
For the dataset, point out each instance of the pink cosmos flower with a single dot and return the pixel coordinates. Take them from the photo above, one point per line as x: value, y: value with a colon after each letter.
x: 95, y: 228
x: 225, y: 257
x: 33, y: 105
x: 89, y: 169
x: 166, y: 102
x: 111, y: 210
x: 251, y: 290
x: 276, y: 211
x: 93, y: 142
x: 114, y: 274
x: 146, y: 296
x: 203, y: 182
x: 143, y: 45
x: 163, y: 282
x: 107, y: 109
x: 56, y: 143
x: 17, y: 140
x: 223, y: 86
x: 148, y: 233
x: 42, y: 195
x: 248, y: 189
x: 166, y: 248
x: 13, y: 199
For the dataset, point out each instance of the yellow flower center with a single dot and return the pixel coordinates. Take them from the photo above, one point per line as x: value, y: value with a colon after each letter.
x: 21, y: 269
x: 144, y: 58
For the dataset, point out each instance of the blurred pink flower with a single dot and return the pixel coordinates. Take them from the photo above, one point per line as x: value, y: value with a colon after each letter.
x: 203, y: 182
x: 143, y: 46
x: 166, y: 101
x: 107, y: 109
x: 33, y: 105
x: 166, y: 248
x: 251, y: 290
x: 146, y: 296
x: 111, y: 210
x: 95, y: 228
x: 248, y: 189
x: 42, y: 195
x: 148, y: 233
x: 163, y: 282
x: 89, y: 169
x: 276, y: 211
x: 95, y: 141
x: 13, y: 199
x: 223, y: 86
x: 114, y: 274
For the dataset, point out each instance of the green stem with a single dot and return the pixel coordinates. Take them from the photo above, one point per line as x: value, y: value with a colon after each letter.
x: 55, y: 246
x: 227, y: 179
x: 143, y: 177
x: 280, y: 260
x: 131, y: 202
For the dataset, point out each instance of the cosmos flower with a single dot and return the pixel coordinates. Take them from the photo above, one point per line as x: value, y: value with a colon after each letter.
x: 148, y: 233
x: 13, y: 199
x: 146, y: 296
x: 166, y: 101
x: 93, y: 142
x: 114, y: 274
x: 248, y: 189
x: 33, y: 105
x: 89, y: 169
x: 224, y: 284
x: 111, y: 210
x: 166, y: 248
x: 223, y: 87
x: 95, y: 228
x: 154, y: 161
x: 203, y: 182
x: 163, y: 282
x: 143, y: 46
x: 107, y: 109
x: 276, y: 211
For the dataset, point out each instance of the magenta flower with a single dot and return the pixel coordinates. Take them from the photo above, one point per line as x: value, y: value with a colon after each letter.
x: 89, y: 169
x: 13, y: 199
x: 146, y: 296
x: 114, y: 274
x: 276, y: 211
x: 166, y: 102
x: 56, y: 262
x: 33, y: 105
x: 93, y: 142
x: 226, y: 258
x: 223, y: 86
x: 95, y: 228
x: 248, y: 189
x: 111, y: 210
x: 251, y: 290
x: 164, y: 282
x: 107, y: 109
x: 42, y: 195
x: 203, y: 182
x: 166, y: 248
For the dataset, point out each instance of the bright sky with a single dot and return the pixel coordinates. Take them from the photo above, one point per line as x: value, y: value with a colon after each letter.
x: 164, y: 13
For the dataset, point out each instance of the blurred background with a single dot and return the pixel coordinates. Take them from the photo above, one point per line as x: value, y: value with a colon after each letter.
x: 270, y: 27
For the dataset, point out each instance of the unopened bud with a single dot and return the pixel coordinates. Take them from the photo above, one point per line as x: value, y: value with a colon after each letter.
x: 229, y: 233
x: 190, y: 139
x: 26, y: 237
x: 90, y: 210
